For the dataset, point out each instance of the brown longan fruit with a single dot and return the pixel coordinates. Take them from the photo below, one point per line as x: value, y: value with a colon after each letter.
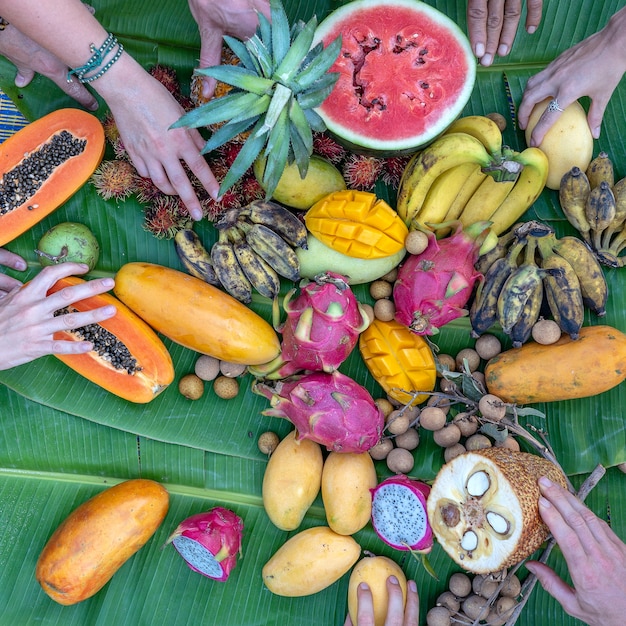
x: 432, y: 418
x: 380, y: 451
x: 267, y: 442
x: 225, y: 387
x: 408, y: 440
x: 380, y: 289
x: 492, y: 407
x: 232, y: 370
x: 398, y: 423
x: 384, y: 405
x: 477, y: 442
x: 512, y: 587
x: 441, y: 403
x: 400, y: 461
x: 474, y: 605
x: 546, y: 332
x: 509, y: 442
x: 416, y: 242
x: 449, y: 600
x: 460, y: 584
x: 369, y: 311
x: 488, y: 346
x: 447, y: 436
x: 448, y: 386
x: 207, y: 367
x: 472, y: 357
x: 438, y: 616
x: 452, y: 452
x: 391, y: 275
x: 467, y: 423
x: 384, y: 310
x: 191, y: 386
x: 446, y: 361
x: 499, y: 120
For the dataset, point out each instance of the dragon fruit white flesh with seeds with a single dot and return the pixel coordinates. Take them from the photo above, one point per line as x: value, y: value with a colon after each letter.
x: 210, y: 542
x: 433, y: 287
x: 322, y: 328
x: 399, y: 514
x: 328, y: 408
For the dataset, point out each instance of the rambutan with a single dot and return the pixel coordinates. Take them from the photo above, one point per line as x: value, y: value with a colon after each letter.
x: 120, y: 150
x: 146, y: 190
x: 361, y: 172
x: 165, y: 216
x: 393, y: 169
x: 251, y: 190
x: 115, y: 179
x: 167, y: 77
x: 229, y: 151
x: 214, y: 209
x: 325, y: 146
x: 111, y: 131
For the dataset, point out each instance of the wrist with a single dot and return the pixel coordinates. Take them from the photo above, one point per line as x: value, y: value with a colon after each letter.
x: 615, y: 31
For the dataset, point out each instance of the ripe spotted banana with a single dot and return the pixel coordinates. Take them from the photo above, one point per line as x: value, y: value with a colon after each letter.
x: 522, y: 329
x: 617, y: 225
x: 229, y: 271
x: 273, y: 249
x: 485, y: 200
x: 529, y: 185
x: 261, y: 276
x: 600, y: 210
x: 601, y: 169
x: 516, y: 291
x: 573, y: 193
x: 279, y: 219
x: 195, y: 257
x: 562, y: 289
x: 481, y: 127
x: 423, y: 169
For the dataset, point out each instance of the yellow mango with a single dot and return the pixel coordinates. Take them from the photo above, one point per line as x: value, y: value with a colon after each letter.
x: 292, y: 481
x: 358, y: 224
x: 346, y: 482
x: 374, y: 570
x: 310, y: 561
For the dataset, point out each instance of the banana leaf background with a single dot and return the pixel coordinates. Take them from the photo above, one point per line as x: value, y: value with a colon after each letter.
x: 63, y: 439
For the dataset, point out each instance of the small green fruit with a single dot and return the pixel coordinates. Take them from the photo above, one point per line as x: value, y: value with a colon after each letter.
x: 321, y: 178
x: 68, y: 241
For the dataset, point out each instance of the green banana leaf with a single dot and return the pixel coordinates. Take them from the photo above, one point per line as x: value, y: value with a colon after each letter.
x: 63, y: 439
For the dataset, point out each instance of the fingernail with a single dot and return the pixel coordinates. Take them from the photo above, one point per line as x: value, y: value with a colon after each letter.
x: 109, y: 310
x: 21, y: 265
x: 94, y: 106
x: 544, y: 481
x: 393, y: 580
x: 479, y: 50
x: 364, y: 586
x: 530, y: 567
x: 543, y: 503
x: 196, y: 215
x: 486, y: 60
x: 531, y: 29
x: 596, y: 132
x: 109, y: 283
x: 503, y: 50
x: 412, y: 586
x: 20, y: 81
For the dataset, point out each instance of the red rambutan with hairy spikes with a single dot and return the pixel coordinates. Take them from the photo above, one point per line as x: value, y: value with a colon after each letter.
x: 167, y: 77
x: 251, y: 190
x: 325, y: 146
x: 165, y: 216
x: 231, y: 199
x: 361, y: 172
x: 393, y: 169
x: 115, y: 179
x: 111, y: 131
x: 229, y: 151
x: 146, y: 190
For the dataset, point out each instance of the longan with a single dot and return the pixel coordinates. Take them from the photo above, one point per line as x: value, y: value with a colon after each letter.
x: 487, y: 346
x: 225, y: 387
x: 191, y: 386
x: 400, y: 461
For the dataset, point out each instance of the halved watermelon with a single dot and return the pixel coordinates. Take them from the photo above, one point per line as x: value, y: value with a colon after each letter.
x: 406, y: 72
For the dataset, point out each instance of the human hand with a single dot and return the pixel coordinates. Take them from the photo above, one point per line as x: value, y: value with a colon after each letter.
x: 30, y: 58
x: 14, y: 261
x: 593, y: 68
x: 397, y: 614
x: 595, y: 556
x: 27, y: 321
x: 492, y: 25
x: 237, y: 18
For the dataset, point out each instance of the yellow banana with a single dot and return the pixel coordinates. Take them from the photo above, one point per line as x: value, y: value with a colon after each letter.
x: 443, y: 192
x: 529, y: 185
x: 195, y: 257
x: 481, y: 127
x: 423, y: 169
x: 229, y: 271
x: 485, y: 200
x: 474, y: 181
x: 601, y: 169
x: 573, y: 193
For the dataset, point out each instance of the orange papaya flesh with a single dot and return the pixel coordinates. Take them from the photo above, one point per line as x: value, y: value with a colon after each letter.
x: 195, y: 314
x: 135, y: 365
x: 358, y: 224
x: 400, y: 361
x: 30, y: 187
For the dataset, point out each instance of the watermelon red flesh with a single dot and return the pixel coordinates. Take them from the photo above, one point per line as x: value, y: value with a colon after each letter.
x: 406, y: 72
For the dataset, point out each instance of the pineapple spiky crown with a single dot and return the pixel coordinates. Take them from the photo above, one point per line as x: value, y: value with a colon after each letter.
x: 276, y: 87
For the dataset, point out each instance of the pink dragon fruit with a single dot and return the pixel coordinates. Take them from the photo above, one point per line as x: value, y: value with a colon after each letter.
x: 322, y: 328
x: 399, y: 514
x: 328, y: 408
x: 433, y: 287
x: 210, y: 542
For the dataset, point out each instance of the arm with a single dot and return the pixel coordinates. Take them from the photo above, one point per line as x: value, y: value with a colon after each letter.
x: 27, y: 320
x: 595, y: 556
x: 492, y: 25
x: 593, y: 68
x: 143, y: 108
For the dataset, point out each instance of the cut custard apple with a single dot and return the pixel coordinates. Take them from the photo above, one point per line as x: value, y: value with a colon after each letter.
x: 483, y: 507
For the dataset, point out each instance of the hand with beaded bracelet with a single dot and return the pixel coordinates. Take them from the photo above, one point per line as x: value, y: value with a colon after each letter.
x: 27, y: 320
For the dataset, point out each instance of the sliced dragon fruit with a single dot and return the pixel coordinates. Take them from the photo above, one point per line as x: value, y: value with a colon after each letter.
x: 399, y: 514
x: 210, y: 542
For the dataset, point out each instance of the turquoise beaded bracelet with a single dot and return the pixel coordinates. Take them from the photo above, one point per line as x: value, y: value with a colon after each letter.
x: 98, y: 56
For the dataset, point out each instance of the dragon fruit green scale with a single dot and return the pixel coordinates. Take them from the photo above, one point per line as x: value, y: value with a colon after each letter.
x: 328, y: 408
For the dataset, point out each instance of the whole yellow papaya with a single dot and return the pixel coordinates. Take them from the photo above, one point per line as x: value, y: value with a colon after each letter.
x: 98, y: 538
x: 346, y: 482
x: 374, y: 570
x: 310, y: 561
x: 292, y: 481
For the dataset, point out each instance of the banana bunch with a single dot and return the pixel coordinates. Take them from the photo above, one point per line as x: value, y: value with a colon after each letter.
x: 529, y: 271
x: 595, y: 205
x: 467, y: 174
x: 254, y: 249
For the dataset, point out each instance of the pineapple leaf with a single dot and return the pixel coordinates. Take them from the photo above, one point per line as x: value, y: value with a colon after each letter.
x: 265, y: 29
x: 279, y: 100
x: 290, y: 65
x: 239, y: 49
x: 217, y: 110
x: 301, y: 153
x: 318, y: 92
x: 248, y: 153
x: 281, y: 38
x: 315, y: 121
x: 225, y: 133
x: 256, y: 110
x: 317, y: 67
x: 301, y: 125
x: 238, y: 76
x: 277, y: 152
x: 258, y: 50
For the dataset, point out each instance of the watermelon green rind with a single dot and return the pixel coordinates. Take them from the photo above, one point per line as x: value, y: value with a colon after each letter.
x: 399, y: 125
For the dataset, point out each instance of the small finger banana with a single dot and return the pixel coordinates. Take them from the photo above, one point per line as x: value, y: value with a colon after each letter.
x: 279, y: 219
x: 499, y: 251
x: 522, y: 329
x: 600, y: 211
x: 195, y: 257
x: 563, y: 294
x: 261, y: 276
x: 516, y: 291
x: 474, y: 180
x: 601, y: 169
x: 273, y: 249
x: 228, y: 270
x: 573, y: 193
x: 617, y: 225
x: 481, y: 127
x: 485, y: 200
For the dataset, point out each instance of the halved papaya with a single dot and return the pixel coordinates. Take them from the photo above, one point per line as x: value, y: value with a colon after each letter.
x: 129, y: 359
x: 43, y: 165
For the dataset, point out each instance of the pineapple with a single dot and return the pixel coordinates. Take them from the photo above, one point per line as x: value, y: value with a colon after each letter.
x: 280, y: 80
x: 483, y: 507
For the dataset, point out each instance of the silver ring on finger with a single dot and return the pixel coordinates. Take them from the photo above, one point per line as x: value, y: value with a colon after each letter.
x: 554, y: 106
